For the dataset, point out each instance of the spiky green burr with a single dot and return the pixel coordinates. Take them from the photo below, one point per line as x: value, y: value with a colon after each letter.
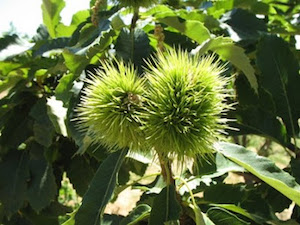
x: 111, y: 107
x: 185, y: 103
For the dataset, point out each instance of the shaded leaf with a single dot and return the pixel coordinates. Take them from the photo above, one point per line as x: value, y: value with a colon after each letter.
x: 243, y: 25
x: 7, y: 40
x: 280, y: 77
x: 256, y: 113
x: 165, y: 207
x: 133, y: 47
x: 100, y: 190
x: 137, y: 214
x: 42, y: 128
x: 14, y: 174
x: 80, y: 173
x: 48, y: 216
x: 263, y: 168
x: 47, y: 45
x: 224, y: 217
x: 235, y: 209
x: 295, y: 166
x: 41, y: 187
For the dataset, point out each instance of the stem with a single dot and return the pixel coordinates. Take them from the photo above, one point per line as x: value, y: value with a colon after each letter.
x: 134, y: 19
x: 166, y: 169
x: 198, y: 214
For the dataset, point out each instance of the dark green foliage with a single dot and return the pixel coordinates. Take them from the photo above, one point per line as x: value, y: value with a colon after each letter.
x: 100, y: 190
x: 14, y: 174
x: 133, y: 47
x: 165, y: 207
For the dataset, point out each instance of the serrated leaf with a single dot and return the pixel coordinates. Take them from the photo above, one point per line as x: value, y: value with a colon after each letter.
x: 224, y: 217
x: 8, y: 40
x: 42, y: 187
x: 243, y: 25
x: 191, y: 28
x: 80, y: 173
x: 100, y: 190
x: 263, y: 168
x: 66, y: 31
x: 165, y: 207
x: 280, y: 77
x: 256, y: 114
x: 42, y: 128
x: 48, y: 216
x: 18, y: 126
x: 137, y: 214
x: 227, y: 50
x: 51, y: 14
x: 248, y: 199
x: 133, y: 46
x: 47, y: 45
x: 14, y: 174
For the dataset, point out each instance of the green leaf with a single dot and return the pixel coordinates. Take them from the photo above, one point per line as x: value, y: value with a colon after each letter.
x: 227, y: 50
x: 199, y: 217
x: 256, y: 113
x: 247, y: 198
x: 139, y: 213
x: 66, y: 31
x: 220, y: 7
x: 6, y: 67
x: 295, y: 166
x: 165, y: 207
x: 131, y: 165
x: 42, y: 128
x: 10, y: 81
x: 48, y: 216
x: 62, y: 91
x: 80, y: 173
x: 47, y: 45
x: 224, y: 217
x: 14, y: 174
x: 51, y: 14
x: 191, y: 28
x: 236, y: 209
x: 280, y: 77
x: 18, y: 125
x: 42, y: 187
x: 109, y: 219
x: 100, y: 190
x: 217, y: 166
x: 263, y: 168
x: 133, y: 47
x: 75, y: 63
x: 243, y: 25
x: 8, y: 40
